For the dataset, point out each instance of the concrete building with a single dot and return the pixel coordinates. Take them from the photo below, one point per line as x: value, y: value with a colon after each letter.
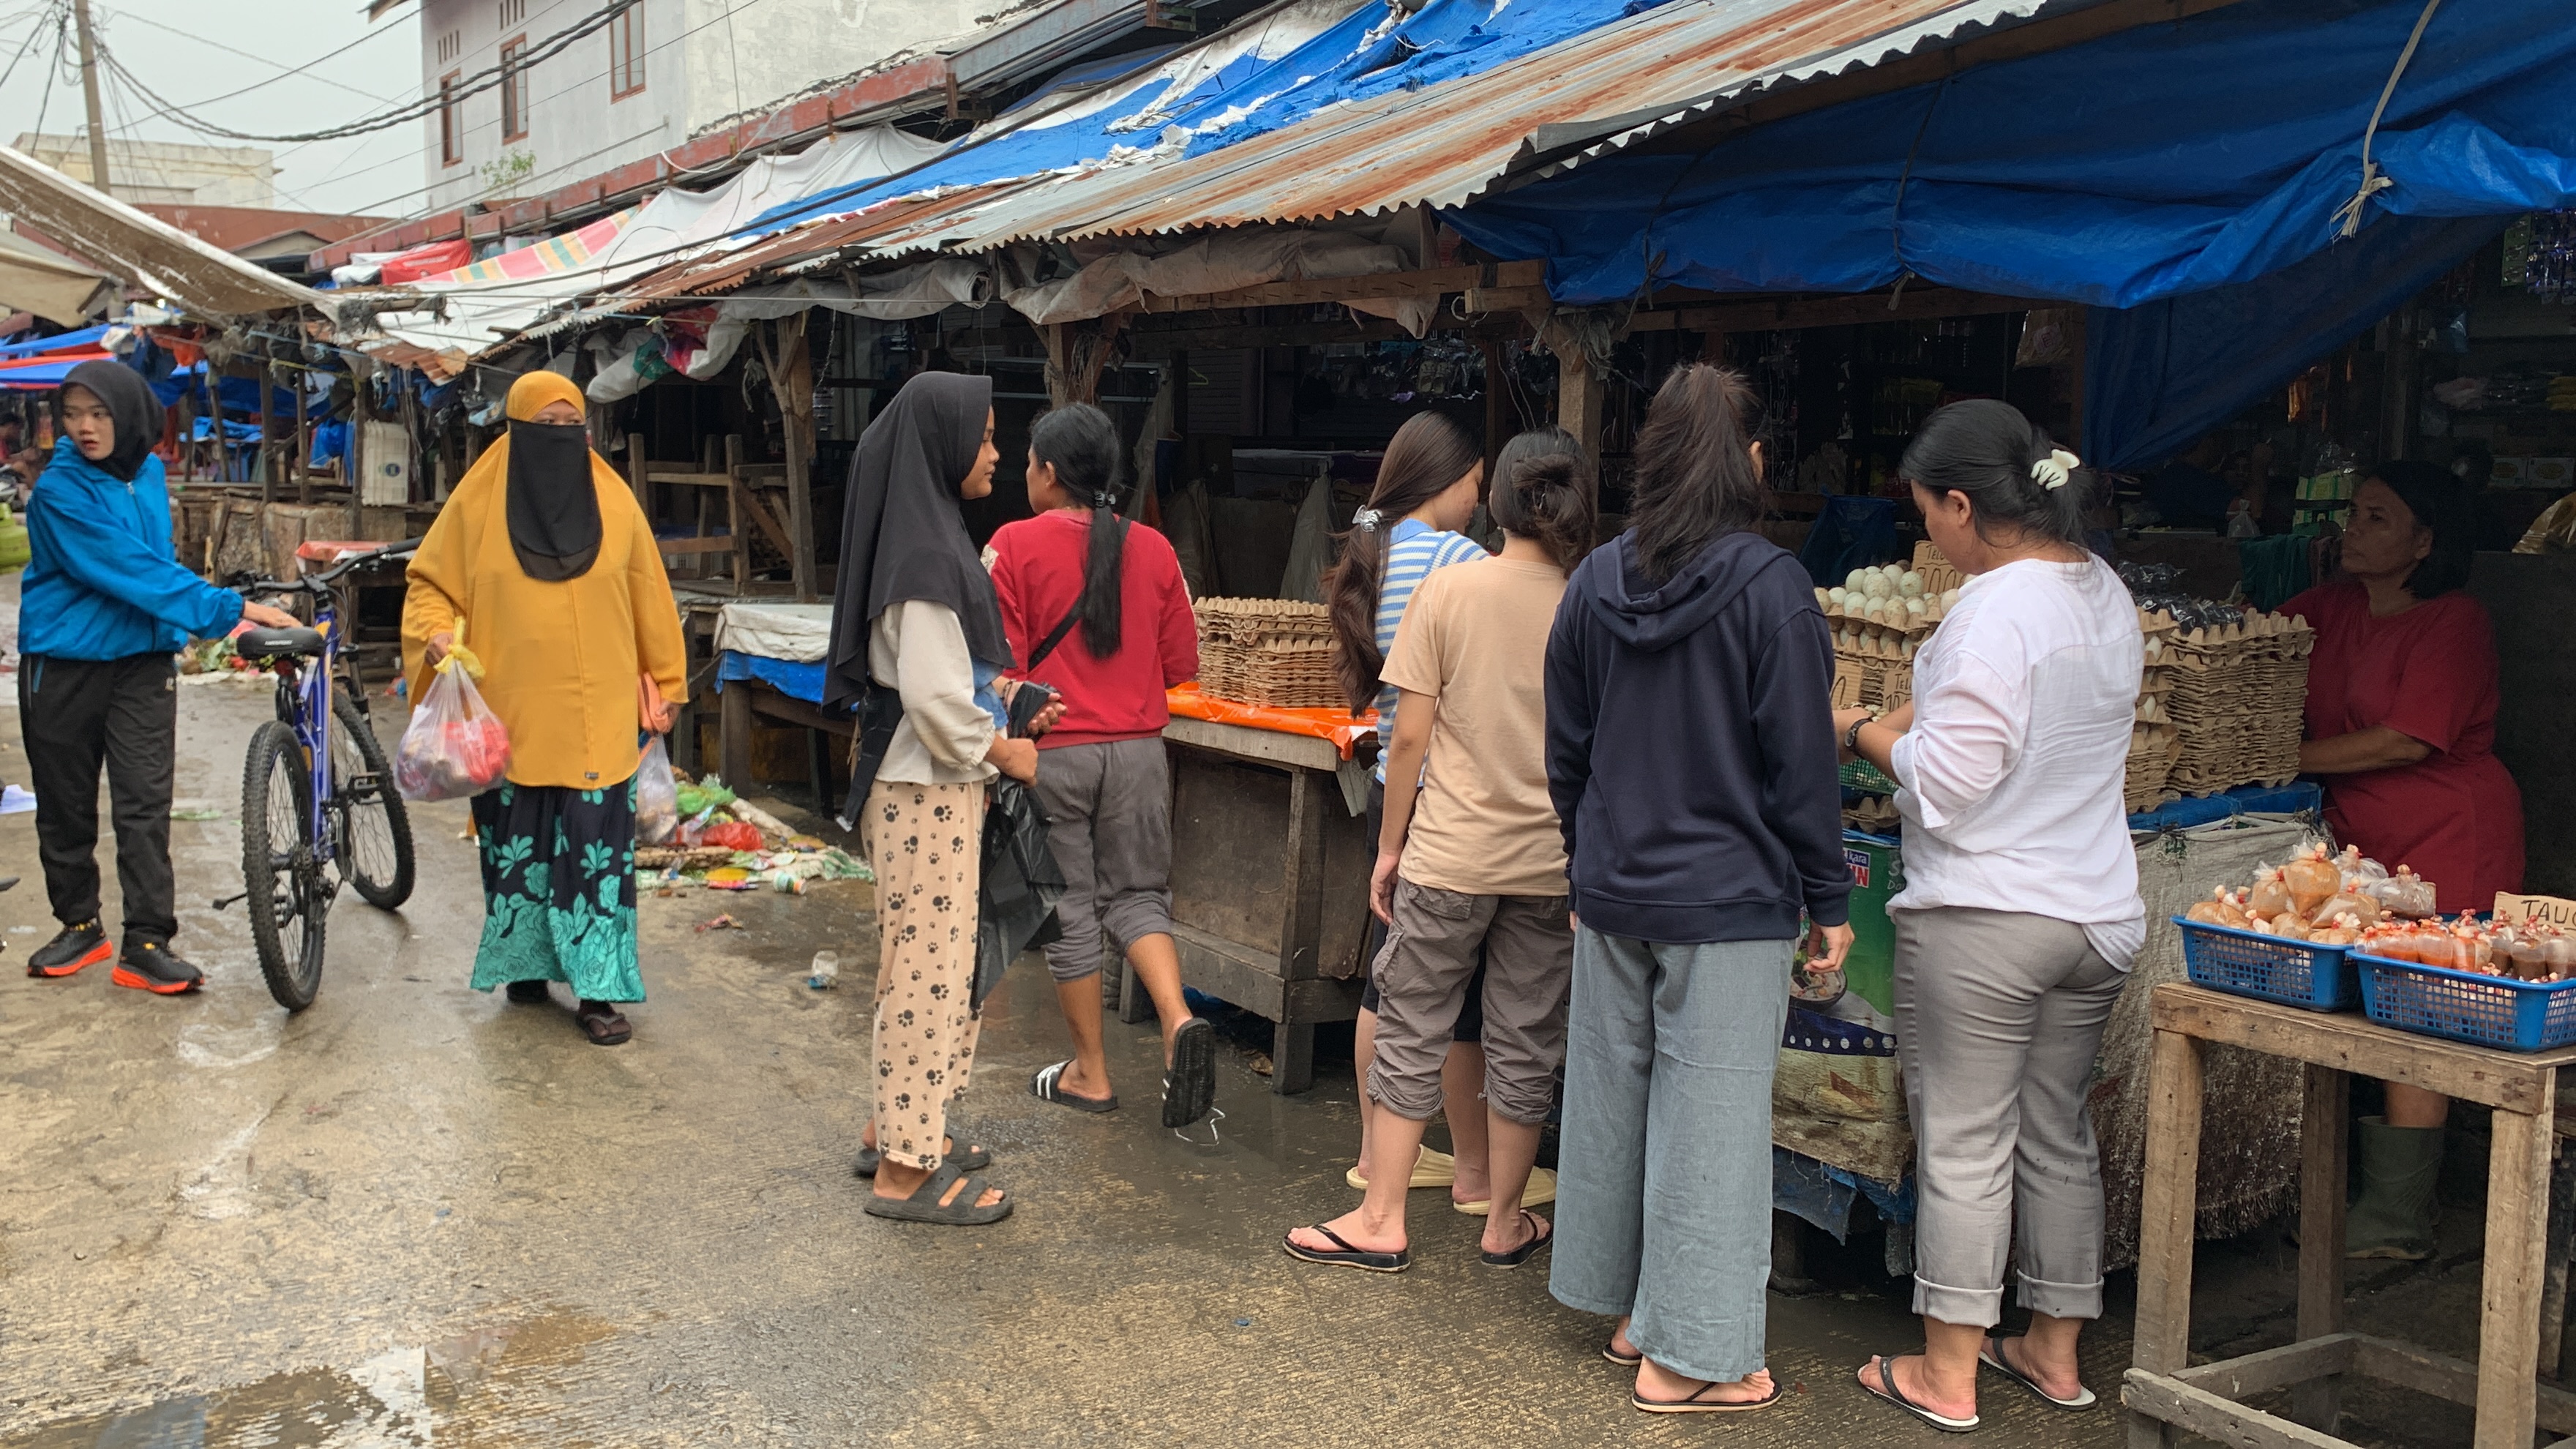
x: 652, y: 77
x: 162, y: 172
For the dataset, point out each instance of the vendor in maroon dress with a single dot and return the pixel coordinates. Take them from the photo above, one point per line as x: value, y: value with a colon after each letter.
x: 2401, y: 713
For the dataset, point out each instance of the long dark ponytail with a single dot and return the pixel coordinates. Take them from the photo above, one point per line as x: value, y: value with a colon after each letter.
x: 1427, y: 455
x: 1081, y: 443
x: 1543, y: 492
x: 1696, y: 481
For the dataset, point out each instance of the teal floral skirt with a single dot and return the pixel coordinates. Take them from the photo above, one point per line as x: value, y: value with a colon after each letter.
x: 559, y: 889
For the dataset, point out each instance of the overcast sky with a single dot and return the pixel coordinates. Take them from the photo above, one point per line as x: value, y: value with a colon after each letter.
x: 192, y: 51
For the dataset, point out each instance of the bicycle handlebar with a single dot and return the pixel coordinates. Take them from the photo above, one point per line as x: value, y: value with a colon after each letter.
x: 317, y: 583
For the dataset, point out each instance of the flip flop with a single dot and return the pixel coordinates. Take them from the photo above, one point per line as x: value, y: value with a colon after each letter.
x: 1346, y: 1256
x: 970, y: 1160
x: 1542, y: 1233
x: 1991, y: 1353
x: 603, y: 1023
x: 1539, y: 1191
x: 1610, y: 1351
x: 924, y: 1205
x: 1886, y: 1389
x: 1189, y: 1087
x: 1431, y: 1169
x: 1048, y: 1086
x: 1697, y: 1405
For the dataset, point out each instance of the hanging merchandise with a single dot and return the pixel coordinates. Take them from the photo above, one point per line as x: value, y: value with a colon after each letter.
x: 2542, y: 249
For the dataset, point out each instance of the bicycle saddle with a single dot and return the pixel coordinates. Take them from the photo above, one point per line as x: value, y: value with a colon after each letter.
x: 270, y: 643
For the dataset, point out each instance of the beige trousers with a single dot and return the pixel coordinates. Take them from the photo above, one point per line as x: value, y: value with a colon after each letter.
x: 924, y: 843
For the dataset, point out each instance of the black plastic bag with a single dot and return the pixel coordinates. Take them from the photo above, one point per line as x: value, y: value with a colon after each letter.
x: 1015, y: 905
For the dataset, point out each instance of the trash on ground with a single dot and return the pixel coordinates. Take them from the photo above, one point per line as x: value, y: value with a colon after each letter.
x: 722, y: 923
x: 731, y: 878
x: 827, y: 971
x: 16, y: 800
x: 195, y: 812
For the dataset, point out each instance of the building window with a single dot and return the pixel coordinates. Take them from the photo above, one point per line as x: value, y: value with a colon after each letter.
x: 450, y: 46
x: 512, y: 12
x: 451, y: 130
x: 514, y: 97
x: 626, y: 52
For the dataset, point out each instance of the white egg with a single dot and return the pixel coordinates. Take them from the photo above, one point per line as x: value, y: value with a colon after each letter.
x: 1835, y: 596
x: 1949, y: 598
x: 1878, y: 586
x: 1910, y: 585
x: 1856, y: 579
x: 1916, y: 607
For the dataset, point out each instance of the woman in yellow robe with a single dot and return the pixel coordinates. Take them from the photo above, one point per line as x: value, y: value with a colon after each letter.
x: 543, y: 562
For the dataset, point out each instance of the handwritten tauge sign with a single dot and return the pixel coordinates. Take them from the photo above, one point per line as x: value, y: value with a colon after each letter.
x: 2549, y: 910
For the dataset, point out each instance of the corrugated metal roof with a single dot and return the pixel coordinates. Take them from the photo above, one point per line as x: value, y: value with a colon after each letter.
x: 1439, y: 145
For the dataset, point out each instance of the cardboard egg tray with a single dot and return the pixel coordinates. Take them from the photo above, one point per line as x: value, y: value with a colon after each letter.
x: 2237, y: 701
x: 1276, y: 652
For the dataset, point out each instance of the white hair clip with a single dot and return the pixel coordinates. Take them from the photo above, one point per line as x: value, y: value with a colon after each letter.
x: 2053, y: 470
x: 1367, y: 520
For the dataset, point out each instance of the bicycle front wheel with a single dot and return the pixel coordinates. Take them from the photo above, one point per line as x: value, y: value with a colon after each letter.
x: 288, y: 900
x: 374, y: 849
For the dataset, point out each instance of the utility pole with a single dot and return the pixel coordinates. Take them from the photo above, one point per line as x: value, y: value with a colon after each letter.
x: 89, y: 96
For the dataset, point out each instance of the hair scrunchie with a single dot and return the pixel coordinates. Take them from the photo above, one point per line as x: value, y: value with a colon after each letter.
x: 2053, y: 470
x: 1367, y: 520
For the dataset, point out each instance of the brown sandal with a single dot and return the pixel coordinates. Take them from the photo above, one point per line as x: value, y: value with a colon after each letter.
x: 603, y: 1023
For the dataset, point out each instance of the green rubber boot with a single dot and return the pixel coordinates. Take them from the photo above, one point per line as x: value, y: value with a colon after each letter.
x: 2393, y: 1215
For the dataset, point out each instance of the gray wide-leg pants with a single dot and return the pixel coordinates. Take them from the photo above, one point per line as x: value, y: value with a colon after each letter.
x: 1663, y: 1199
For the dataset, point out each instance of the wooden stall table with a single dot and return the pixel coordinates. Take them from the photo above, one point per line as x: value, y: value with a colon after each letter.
x: 1270, y: 868
x: 2168, y: 1397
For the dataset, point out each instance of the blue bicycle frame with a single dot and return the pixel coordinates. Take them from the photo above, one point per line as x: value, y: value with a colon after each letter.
x: 304, y: 706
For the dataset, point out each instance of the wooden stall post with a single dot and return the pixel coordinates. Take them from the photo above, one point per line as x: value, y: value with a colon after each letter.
x: 1076, y: 353
x: 2517, y: 1220
x: 2323, y: 1150
x: 635, y: 474
x: 267, y: 434
x: 737, y: 515
x: 223, y: 458
x: 296, y: 466
x: 2165, y: 1221
x: 791, y: 374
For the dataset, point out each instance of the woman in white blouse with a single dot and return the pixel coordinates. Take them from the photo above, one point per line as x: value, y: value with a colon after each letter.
x: 2020, y: 913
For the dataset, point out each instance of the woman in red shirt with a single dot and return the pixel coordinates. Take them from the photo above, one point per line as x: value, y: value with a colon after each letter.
x: 2401, y: 715
x: 1097, y: 609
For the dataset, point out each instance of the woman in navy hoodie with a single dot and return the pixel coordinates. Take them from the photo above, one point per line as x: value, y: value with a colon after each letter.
x: 1690, y: 751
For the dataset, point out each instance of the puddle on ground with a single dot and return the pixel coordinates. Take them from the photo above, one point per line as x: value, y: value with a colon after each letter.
x: 386, y: 1402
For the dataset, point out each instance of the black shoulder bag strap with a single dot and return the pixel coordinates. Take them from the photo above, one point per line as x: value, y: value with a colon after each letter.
x: 1063, y: 627
x: 872, y: 734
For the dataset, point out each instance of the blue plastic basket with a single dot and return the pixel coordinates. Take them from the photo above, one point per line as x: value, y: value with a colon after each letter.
x: 2492, y: 1011
x: 2249, y: 963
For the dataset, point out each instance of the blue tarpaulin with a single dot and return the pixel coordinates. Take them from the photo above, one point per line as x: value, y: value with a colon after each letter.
x: 2157, y: 162
x: 2158, y: 376
x: 1202, y: 107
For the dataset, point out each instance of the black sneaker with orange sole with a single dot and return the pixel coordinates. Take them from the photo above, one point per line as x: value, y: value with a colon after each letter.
x: 75, y: 947
x: 154, y: 967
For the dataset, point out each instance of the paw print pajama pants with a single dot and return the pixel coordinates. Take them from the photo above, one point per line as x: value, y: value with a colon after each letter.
x: 924, y: 843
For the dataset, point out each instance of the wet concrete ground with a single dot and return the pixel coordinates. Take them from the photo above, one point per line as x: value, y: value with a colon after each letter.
x: 415, y: 1214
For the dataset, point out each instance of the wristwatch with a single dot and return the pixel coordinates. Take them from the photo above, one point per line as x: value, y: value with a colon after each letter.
x: 1851, y: 737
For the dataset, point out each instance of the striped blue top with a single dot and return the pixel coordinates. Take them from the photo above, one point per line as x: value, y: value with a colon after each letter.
x: 1411, y: 554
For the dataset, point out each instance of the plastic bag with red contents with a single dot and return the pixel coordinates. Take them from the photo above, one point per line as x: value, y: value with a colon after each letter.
x: 732, y: 835
x: 455, y: 745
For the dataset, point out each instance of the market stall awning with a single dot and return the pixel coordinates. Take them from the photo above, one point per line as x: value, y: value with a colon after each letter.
x: 49, y: 284
x: 149, y: 253
x: 487, y: 303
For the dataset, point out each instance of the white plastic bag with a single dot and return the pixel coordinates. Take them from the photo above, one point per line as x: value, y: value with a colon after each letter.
x: 657, y: 796
x: 455, y: 745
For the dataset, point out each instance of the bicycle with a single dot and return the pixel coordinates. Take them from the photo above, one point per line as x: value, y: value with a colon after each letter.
x: 319, y: 807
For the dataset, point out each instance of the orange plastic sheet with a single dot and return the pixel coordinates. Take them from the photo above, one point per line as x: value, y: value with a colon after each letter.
x: 1333, y: 725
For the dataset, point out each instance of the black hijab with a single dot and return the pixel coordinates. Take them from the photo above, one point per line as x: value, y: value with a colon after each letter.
x: 902, y: 535
x: 553, y: 505
x: 131, y: 406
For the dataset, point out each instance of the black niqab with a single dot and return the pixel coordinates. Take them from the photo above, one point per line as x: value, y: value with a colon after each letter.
x: 130, y: 406
x: 902, y: 534
x: 551, y: 500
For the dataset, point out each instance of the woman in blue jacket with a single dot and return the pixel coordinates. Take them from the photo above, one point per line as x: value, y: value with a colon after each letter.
x: 1690, y: 752
x: 103, y: 606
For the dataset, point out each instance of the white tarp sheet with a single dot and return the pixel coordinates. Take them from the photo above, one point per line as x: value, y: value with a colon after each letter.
x: 797, y: 633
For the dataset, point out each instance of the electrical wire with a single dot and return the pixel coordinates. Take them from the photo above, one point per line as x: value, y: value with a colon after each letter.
x: 284, y: 72
x: 62, y: 18
x: 489, y: 78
